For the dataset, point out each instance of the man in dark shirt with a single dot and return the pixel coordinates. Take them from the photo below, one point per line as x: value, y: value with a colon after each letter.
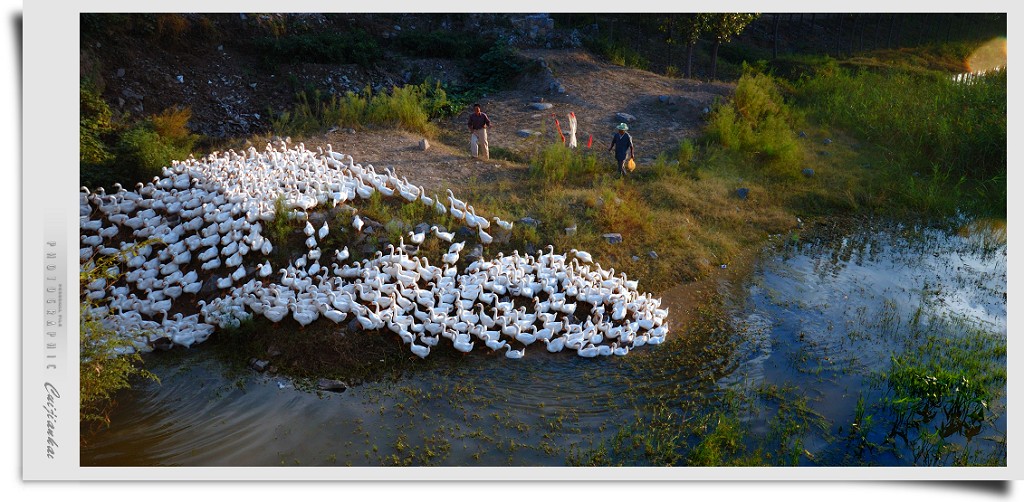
x: 622, y: 142
x: 478, y: 125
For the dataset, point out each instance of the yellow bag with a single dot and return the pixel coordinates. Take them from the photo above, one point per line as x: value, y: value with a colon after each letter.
x: 631, y: 165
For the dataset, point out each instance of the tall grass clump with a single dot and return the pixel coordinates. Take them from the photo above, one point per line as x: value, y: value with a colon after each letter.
x: 411, y: 107
x: 758, y: 123
x: 616, y: 52
x: 148, y: 146
x: 558, y: 164
x: 925, y: 122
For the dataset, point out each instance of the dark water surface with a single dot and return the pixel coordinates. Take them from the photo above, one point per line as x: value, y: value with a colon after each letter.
x: 822, y: 318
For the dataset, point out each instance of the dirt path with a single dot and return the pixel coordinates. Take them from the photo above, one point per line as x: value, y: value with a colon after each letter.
x: 595, y: 92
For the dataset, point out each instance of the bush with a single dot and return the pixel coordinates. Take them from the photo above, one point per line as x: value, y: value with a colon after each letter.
x: 354, y: 46
x: 143, y: 151
x: 617, y: 53
x: 441, y: 44
x: 499, y: 67
x: 108, y: 361
x: 757, y: 122
x: 94, y: 124
x: 556, y: 164
x: 411, y: 108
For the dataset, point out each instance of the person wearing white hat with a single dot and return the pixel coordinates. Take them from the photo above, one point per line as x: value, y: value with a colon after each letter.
x: 622, y: 142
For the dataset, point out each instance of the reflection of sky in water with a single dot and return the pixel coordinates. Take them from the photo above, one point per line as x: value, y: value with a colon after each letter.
x: 830, y: 305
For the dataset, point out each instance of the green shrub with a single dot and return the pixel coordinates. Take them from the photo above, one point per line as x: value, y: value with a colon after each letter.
x: 556, y: 164
x: 94, y: 124
x: 354, y: 46
x: 499, y: 67
x: 143, y: 152
x: 441, y: 44
x: 107, y: 358
x: 757, y: 122
x: 617, y: 53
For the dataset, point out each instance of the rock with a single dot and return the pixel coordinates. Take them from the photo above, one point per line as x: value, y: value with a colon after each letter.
x: 530, y: 248
x: 464, y: 232
x: 162, y: 343
x: 350, y: 130
x: 742, y: 193
x: 652, y: 254
x: 570, y: 230
x: 421, y: 228
x: 612, y: 238
x: 529, y: 221
x: 827, y: 141
x: 524, y: 133
x: 802, y: 134
x: 273, y: 351
x: 424, y: 144
x: 367, y: 249
x: 180, y: 79
x: 331, y: 385
x: 541, y: 106
x: 624, y: 117
x: 635, y: 258
x: 397, y: 226
x: 220, y: 48
x: 808, y: 172
x: 561, y: 89
x: 475, y: 252
x: 120, y: 72
x: 259, y: 364
x: 663, y: 99
x: 723, y: 266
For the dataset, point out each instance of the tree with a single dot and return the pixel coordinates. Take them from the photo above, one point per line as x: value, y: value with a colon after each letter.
x: 691, y: 29
x: 723, y: 27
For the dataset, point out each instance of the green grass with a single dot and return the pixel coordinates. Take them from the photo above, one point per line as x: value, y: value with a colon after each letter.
x: 411, y: 107
x: 942, y: 142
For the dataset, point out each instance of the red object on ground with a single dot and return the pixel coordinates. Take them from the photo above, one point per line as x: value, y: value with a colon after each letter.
x: 559, y: 127
x: 590, y: 141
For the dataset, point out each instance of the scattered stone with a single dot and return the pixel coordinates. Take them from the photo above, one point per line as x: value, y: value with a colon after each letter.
x: 273, y: 351
x: 742, y: 193
x: 612, y: 238
x: 367, y: 249
x: 331, y: 385
x: 524, y: 133
x: 652, y: 254
x: 421, y: 228
x: 259, y: 364
x: 220, y: 48
x: 120, y: 72
x: 570, y: 230
x: 350, y: 130
x: 635, y: 258
x: 561, y: 89
x: 624, y: 117
x: 424, y: 144
x: 180, y: 79
x: 541, y: 106
x: 529, y: 221
x: 162, y: 343
x: 723, y: 266
x: 827, y: 141
x: 663, y: 99
x: 802, y: 134
x: 808, y: 172
x: 464, y: 232
x: 476, y: 252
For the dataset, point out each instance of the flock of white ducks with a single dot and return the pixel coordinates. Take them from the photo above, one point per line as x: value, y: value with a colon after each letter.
x: 206, y: 218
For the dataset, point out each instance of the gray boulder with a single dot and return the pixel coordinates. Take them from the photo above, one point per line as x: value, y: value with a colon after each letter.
x: 541, y: 106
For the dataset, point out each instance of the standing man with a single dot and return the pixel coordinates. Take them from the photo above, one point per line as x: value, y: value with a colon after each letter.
x: 622, y: 142
x: 478, y: 125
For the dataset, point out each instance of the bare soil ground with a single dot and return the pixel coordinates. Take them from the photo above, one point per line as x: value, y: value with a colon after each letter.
x: 595, y: 91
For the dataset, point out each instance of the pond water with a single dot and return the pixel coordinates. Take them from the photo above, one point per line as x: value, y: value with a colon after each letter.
x: 812, y: 330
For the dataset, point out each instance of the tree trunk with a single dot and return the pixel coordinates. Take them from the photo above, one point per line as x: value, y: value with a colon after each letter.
x: 888, y: 38
x: 839, y: 36
x: 689, y: 60
x: 714, y: 58
x: 775, y: 38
